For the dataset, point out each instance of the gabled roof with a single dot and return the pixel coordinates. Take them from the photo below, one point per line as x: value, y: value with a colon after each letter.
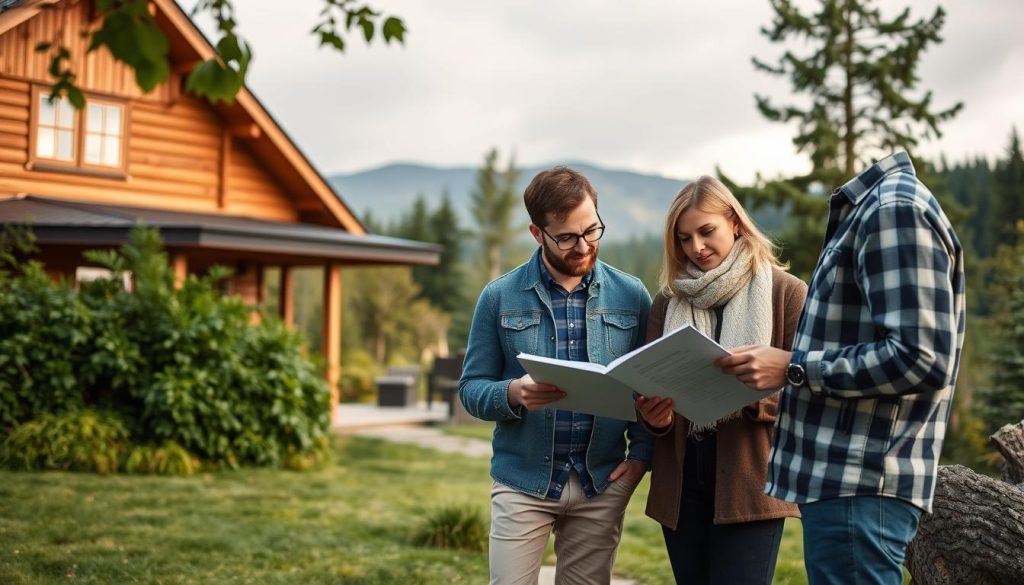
x: 273, y: 146
x: 249, y: 107
x: 59, y: 221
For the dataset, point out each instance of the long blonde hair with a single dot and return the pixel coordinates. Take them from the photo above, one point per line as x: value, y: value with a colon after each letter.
x: 709, y: 195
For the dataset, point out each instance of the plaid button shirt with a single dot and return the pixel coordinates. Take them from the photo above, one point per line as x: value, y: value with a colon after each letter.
x: 572, y: 429
x: 880, y: 339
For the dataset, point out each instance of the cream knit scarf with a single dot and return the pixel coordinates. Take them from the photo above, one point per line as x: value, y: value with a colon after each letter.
x: 747, y: 296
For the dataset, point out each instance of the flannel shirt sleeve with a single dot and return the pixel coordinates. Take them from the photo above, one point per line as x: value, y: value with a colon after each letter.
x: 904, y: 267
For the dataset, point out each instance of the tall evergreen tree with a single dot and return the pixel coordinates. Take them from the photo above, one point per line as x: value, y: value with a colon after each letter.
x: 1009, y: 194
x: 1003, y: 400
x: 415, y: 225
x: 859, y: 74
x: 493, y: 202
x: 447, y: 288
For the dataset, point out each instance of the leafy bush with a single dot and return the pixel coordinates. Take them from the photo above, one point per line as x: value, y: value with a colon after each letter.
x: 183, y: 366
x: 454, y: 527
x: 358, y: 375
x: 77, y: 441
x: 45, y: 333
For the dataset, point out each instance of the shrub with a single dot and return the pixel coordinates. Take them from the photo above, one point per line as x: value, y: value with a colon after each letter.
x: 358, y: 376
x: 454, y: 527
x: 45, y: 331
x: 177, y: 365
x: 167, y: 459
x: 78, y: 441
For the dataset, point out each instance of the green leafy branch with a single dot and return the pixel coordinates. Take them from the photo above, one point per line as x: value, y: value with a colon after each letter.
x: 129, y: 31
x: 355, y: 15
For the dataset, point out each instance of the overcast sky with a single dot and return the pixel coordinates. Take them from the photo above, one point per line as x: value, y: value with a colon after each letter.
x: 663, y: 86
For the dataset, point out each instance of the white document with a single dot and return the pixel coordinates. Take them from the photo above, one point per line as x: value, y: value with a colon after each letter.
x: 679, y: 366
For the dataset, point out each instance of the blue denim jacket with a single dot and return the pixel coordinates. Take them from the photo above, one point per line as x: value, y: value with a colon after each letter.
x: 514, y: 315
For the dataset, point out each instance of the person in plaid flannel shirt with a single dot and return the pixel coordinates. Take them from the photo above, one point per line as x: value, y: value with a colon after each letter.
x: 869, y: 383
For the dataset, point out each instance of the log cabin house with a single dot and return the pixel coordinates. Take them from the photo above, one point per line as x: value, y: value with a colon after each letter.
x: 223, y: 182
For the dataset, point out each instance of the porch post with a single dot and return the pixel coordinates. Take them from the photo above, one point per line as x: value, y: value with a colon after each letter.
x: 179, y: 264
x: 286, y: 298
x: 332, y: 330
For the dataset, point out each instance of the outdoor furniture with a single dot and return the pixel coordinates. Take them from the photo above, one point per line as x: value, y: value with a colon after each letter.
x: 444, y: 382
x: 396, y: 391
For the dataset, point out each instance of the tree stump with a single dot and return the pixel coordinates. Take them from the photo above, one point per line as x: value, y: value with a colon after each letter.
x: 975, y: 533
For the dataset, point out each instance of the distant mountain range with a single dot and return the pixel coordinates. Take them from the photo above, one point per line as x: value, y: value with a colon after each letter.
x: 631, y: 204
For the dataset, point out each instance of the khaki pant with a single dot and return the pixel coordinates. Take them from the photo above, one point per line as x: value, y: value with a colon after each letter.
x: 587, y: 533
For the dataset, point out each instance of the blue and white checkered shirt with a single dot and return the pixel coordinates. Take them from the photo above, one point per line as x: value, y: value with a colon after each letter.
x: 880, y: 339
x: 572, y: 429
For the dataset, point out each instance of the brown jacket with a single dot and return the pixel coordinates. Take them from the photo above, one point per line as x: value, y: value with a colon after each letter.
x: 743, y: 443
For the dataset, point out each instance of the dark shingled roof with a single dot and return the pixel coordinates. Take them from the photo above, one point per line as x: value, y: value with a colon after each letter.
x: 59, y: 221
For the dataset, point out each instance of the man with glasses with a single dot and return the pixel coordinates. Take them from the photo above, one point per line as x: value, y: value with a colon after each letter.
x: 556, y: 469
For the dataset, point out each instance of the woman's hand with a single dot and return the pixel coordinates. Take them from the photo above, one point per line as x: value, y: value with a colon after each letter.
x: 656, y: 411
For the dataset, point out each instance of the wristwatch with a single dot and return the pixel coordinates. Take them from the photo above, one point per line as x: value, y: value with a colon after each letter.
x: 796, y: 375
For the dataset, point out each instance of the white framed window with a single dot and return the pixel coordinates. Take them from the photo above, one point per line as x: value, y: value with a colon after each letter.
x: 93, y: 139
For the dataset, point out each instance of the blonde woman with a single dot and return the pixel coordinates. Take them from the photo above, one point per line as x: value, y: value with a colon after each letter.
x: 722, y: 276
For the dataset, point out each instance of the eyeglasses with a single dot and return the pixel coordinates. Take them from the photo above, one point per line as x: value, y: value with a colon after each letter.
x: 569, y: 241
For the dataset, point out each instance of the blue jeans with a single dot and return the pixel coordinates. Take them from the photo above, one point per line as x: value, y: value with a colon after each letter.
x: 858, y: 540
x: 705, y: 553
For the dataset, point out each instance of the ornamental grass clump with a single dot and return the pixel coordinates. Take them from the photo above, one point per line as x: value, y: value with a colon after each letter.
x: 453, y: 526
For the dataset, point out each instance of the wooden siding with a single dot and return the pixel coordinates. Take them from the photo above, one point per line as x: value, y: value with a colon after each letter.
x: 176, y: 149
x: 252, y: 191
x: 96, y: 71
x: 174, y: 158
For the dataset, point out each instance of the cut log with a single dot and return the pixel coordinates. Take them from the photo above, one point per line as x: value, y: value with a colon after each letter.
x: 974, y: 535
x: 1009, y: 440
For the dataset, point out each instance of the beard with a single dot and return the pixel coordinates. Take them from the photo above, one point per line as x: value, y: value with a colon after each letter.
x: 573, y: 264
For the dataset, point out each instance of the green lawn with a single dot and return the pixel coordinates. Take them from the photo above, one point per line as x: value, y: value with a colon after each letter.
x: 349, y: 523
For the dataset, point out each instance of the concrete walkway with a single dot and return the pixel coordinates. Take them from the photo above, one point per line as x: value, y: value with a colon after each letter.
x: 402, y: 427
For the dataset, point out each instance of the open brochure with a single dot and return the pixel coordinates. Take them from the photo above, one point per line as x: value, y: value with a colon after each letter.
x: 679, y: 365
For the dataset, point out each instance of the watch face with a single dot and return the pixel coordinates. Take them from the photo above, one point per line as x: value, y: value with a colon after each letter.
x: 795, y: 374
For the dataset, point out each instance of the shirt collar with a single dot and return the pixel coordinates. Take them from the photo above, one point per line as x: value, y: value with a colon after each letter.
x: 856, y: 188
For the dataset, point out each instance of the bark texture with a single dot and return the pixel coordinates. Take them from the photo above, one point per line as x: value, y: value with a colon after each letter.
x: 975, y: 534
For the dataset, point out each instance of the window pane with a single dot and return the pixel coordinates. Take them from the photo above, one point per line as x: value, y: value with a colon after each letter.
x: 112, y: 151
x: 65, y: 145
x: 113, y: 120
x: 65, y: 114
x: 44, y: 143
x: 47, y: 114
x: 94, y: 118
x: 93, y: 149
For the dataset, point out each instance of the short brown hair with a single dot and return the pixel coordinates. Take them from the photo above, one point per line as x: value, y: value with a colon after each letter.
x: 558, y: 191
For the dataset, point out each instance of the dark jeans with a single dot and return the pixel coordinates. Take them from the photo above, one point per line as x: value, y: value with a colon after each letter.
x: 702, y: 553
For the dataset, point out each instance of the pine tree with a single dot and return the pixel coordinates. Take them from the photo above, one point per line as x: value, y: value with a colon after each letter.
x: 447, y: 288
x: 859, y: 73
x: 1003, y: 400
x: 493, y: 202
x: 1009, y: 194
x: 415, y: 225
